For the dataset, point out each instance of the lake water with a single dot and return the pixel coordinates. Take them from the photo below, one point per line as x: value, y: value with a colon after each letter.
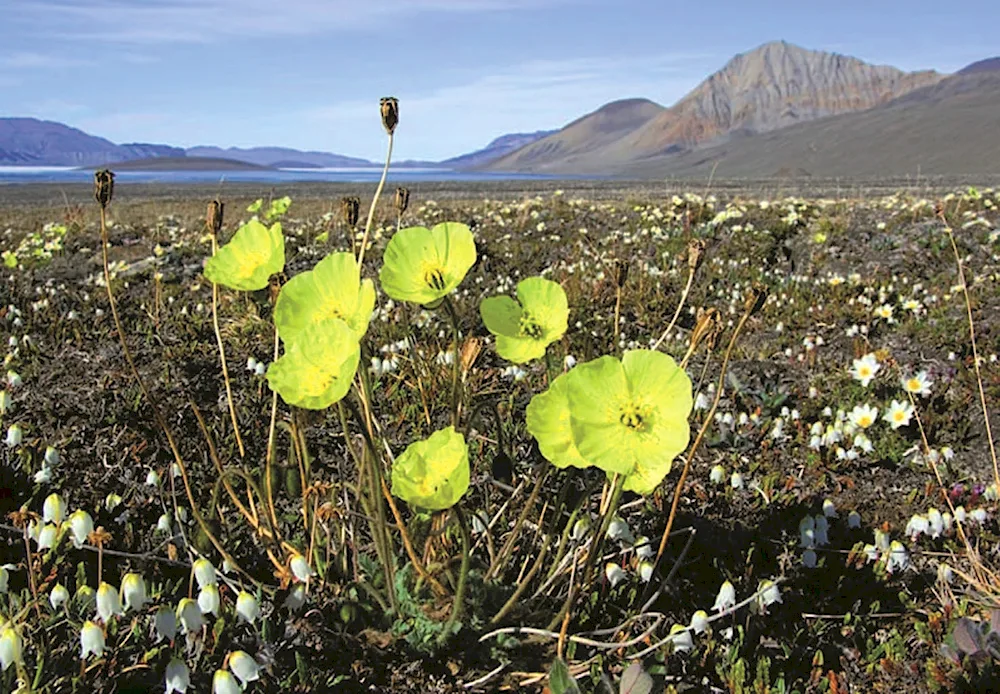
x: 58, y: 174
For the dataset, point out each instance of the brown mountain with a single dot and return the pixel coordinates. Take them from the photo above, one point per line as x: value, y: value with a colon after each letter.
x: 949, y: 127
x: 771, y: 87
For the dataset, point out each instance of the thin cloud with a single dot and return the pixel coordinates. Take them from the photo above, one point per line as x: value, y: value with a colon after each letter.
x: 26, y: 60
x: 188, y: 21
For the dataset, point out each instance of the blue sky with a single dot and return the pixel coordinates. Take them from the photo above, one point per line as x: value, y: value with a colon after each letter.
x: 309, y: 73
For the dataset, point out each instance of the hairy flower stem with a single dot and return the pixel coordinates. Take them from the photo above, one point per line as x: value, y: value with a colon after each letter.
x: 269, y: 455
x: 523, y: 585
x: 677, y: 313
x: 222, y: 358
x: 154, y: 405
x: 698, y: 439
x: 371, y: 210
x: 494, y: 570
x: 456, y: 396
x: 31, y: 571
x: 463, y: 574
x: 618, y: 312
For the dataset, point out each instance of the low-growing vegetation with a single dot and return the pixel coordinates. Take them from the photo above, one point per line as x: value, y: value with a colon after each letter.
x: 669, y: 443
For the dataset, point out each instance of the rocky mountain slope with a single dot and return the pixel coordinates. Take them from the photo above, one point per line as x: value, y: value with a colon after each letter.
x: 33, y: 142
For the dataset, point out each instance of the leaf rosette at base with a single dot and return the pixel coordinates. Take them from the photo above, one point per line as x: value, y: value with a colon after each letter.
x: 526, y: 327
x: 317, y: 369
x: 424, y: 265
x: 332, y: 289
x: 433, y: 474
x: 247, y: 262
x: 627, y: 417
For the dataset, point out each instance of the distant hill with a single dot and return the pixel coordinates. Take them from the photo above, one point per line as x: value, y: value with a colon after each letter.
x: 949, y: 127
x: 33, y: 142
x: 272, y: 156
x: 495, y: 149
x: 771, y: 87
x: 185, y: 163
x: 987, y: 65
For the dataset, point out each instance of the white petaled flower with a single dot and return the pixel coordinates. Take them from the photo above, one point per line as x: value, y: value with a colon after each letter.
x: 935, y: 523
x: 897, y: 557
x: 163, y: 524
x: 863, y: 416
x: 51, y: 456
x: 204, y: 572
x: 81, y: 525
x: 10, y: 648
x: 809, y: 559
x: 189, y: 615
x: 300, y: 568
x: 643, y: 547
x: 726, y: 597
x: 244, y: 667
x: 618, y: 530
x: 917, y: 526
x: 58, y: 596
x: 108, y: 602
x: 165, y: 624
x: 134, y: 591
x: 898, y: 414
x: 580, y: 528
x: 178, y: 677
x: 112, y: 501
x: 717, y: 475
x: 613, y: 573
x: 701, y: 402
x: 225, y: 683
x: 829, y: 510
x: 807, y: 532
x: 918, y: 384
x: 91, y: 640
x: 47, y: 537
x: 821, y: 531
x: 681, y: 639
x: 86, y: 597
x: 208, y: 600
x: 53, y: 509
x: 5, y: 576
x: 153, y: 480
x: 767, y: 593
x: 247, y: 607
x: 44, y: 475
x: 736, y: 481
x: 865, y: 368
x: 699, y: 622
x: 645, y: 570
x: 853, y: 520
x: 14, y: 436
x: 296, y: 598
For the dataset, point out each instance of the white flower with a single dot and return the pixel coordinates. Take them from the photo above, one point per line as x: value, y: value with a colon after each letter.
x: 736, y: 481
x: 979, y: 515
x: 112, y: 501
x: 44, y: 475
x: 699, y: 622
x: 224, y: 683
x: 165, y: 624
x: 108, y: 602
x: 701, y: 402
x: 863, y: 416
x: 10, y: 648
x: 897, y: 558
x: 918, y: 525
x: 86, y: 597
x: 618, y: 530
x: 854, y: 519
x: 569, y: 362
x: 53, y: 509
x: 807, y: 532
x: 865, y: 368
x: 960, y: 514
x: 717, y: 475
x: 296, y: 598
x: 247, y: 607
x: 681, y: 639
x: 204, y: 572
x: 14, y: 379
x: 726, y: 597
x: 51, y: 456
x: 643, y: 547
x: 614, y: 573
x: 645, y: 570
x: 153, y: 480
x: 945, y: 574
x: 91, y: 640
x: 58, y: 595
x: 768, y: 593
x: 821, y: 531
x: 189, y: 615
x: 899, y: 414
x: 47, y: 537
x: 163, y: 523
x: 81, y: 525
x: 829, y: 510
x: 4, y: 402
x: 14, y: 436
x: 920, y: 384
x: 178, y: 676
x: 208, y: 599
x: 809, y: 559
x: 935, y: 523
x: 134, y: 591
x: 244, y: 667
x: 300, y: 568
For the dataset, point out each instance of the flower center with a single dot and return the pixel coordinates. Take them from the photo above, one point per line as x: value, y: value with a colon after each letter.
x: 434, y: 278
x: 913, y: 385
x: 631, y: 415
x: 528, y: 326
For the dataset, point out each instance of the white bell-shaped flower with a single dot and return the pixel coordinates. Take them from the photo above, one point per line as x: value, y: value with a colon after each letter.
x: 47, y: 536
x: 681, y: 639
x: 134, y: 591
x: 108, y: 602
x: 81, y: 525
x: 208, y: 600
x: 53, y: 509
x: 58, y: 596
x: 165, y: 624
x: 300, y: 568
x: 247, y: 607
x: 726, y: 597
x: 91, y: 640
x: 614, y: 573
x: 178, y: 677
x: 244, y: 667
x: 189, y: 615
x: 225, y: 683
x: 10, y: 648
x: 296, y: 598
x: 204, y: 572
x: 699, y: 622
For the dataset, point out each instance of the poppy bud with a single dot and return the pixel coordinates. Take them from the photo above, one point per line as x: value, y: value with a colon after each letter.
x: 755, y: 298
x: 695, y: 253
x: 214, y: 216
x: 503, y: 468
x: 104, y: 186
x: 621, y: 272
x: 350, y: 207
x: 707, y: 327
x: 389, y: 106
x: 402, y: 200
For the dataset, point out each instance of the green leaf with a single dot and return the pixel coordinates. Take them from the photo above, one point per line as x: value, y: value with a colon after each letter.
x: 278, y: 207
x: 247, y: 262
x: 560, y: 681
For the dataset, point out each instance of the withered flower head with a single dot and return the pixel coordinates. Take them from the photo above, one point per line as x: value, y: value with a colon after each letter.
x: 214, y: 216
x: 755, y: 298
x: 695, y: 254
x: 104, y: 186
x: 402, y: 200
x: 350, y: 207
x: 99, y: 536
x: 621, y: 272
x: 390, y: 113
x: 707, y: 327
x: 470, y: 352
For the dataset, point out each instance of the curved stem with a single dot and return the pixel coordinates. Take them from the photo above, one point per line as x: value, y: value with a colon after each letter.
x: 222, y: 358
x: 456, y: 399
x: 371, y: 210
x: 677, y: 313
x: 463, y: 574
x: 269, y: 456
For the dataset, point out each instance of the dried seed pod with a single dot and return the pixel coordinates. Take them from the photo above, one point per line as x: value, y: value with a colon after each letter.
x: 389, y: 106
x: 707, y: 328
x: 470, y: 352
x: 695, y: 254
x: 621, y: 272
x: 755, y: 298
x: 214, y: 216
x: 350, y: 207
x: 104, y: 187
x: 402, y: 200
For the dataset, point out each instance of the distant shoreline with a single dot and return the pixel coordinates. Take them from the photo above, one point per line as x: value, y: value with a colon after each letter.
x: 181, y: 164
